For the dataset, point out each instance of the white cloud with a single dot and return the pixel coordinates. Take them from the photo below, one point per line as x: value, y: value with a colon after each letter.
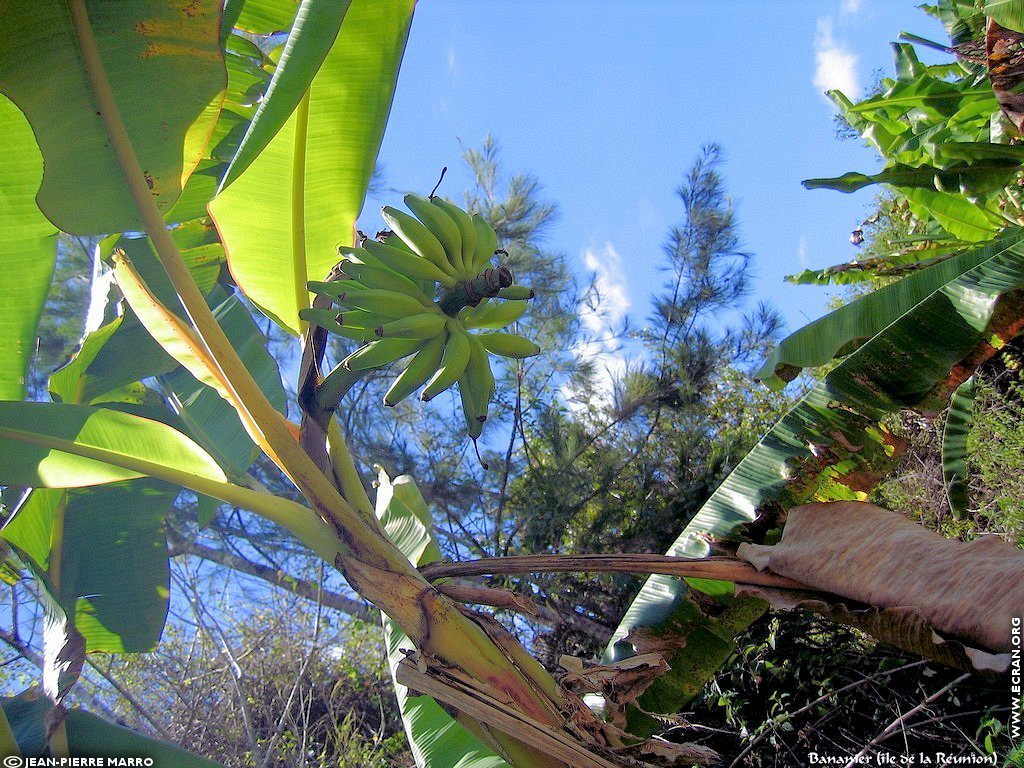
x: 610, y: 284
x: 835, y: 64
x: 602, y: 318
x: 453, y: 62
x: 801, y: 251
x: 851, y: 7
x: 647, y: 215
x: 609, y: 366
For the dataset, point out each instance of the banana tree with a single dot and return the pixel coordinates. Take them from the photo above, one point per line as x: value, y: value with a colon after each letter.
x: 210, y: 162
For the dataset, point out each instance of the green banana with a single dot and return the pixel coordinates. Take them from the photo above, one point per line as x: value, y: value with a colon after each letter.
x: 422, y: 326
x: 387, y: 303
x: 466, y: 229
x: 419, y: 369
x: 386, y: 292
x: 486, y: 243
x: 380, y: 353
x: 334, y: 288
x: 331, y: 320
x: 417, y: 237
x: 392, y: 240
x: 349, y: 252
x: 374, y: 276
x: 494, y: 314
x: 474, y: 426
x: 360, y: 318
x: 508, y: 345
x: 516, y: 293
x: 479, y: 379
x: 406, y: 263
x: 442, y: 227
x: 453, y: 363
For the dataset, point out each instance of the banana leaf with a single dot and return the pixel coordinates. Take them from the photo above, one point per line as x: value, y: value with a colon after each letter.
x: 1006, y: 13
x: 961, y: 218
x: 29, y: 244
x: 101, y: 534
x: 283, y: 218
x: 314, y: 30
x: 166, y: 72
x: 89, y: 736
x: 839, y: 332
x: 954, y: 446
x: 55, y: 445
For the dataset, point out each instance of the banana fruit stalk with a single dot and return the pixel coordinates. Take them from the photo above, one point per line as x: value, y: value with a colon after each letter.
x: 418, y: 293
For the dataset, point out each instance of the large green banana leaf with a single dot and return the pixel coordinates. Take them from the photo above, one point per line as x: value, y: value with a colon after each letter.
x: 86, y: 540
x: 198, y: 397
x: 29, y: 244
x: 1006, y: 13
x: 954, y: 446
x: 830, y: 444
x: 284, y: 217
x: 957, y: 215
x: 89, y: 736
x: 839, y: 332
x: 313, y: 32
x: 56, y: 445
x: 115, y: 576
x: 437, y: 741
x: 101, y: 535
x: 166, y: 71
x: 122, y: 353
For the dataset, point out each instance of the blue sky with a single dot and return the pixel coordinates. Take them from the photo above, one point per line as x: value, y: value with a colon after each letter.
x: 607, y: 103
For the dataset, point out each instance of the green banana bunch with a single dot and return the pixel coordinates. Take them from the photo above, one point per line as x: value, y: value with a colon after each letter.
x: 420, y: 292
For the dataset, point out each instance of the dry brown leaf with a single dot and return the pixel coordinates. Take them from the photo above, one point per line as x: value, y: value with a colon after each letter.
x: 651, y: 642
x: 618, y: 683
x: 582, y: 742
x: 657, y: 751
x: 880, y: 558
x: 498, y: 598
x: 470, y: 697
x: 902, y: 627
x: 1005, y: 49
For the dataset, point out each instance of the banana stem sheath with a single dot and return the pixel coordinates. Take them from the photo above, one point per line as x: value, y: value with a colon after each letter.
x: 333, y: 388
x: 471, y: 292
